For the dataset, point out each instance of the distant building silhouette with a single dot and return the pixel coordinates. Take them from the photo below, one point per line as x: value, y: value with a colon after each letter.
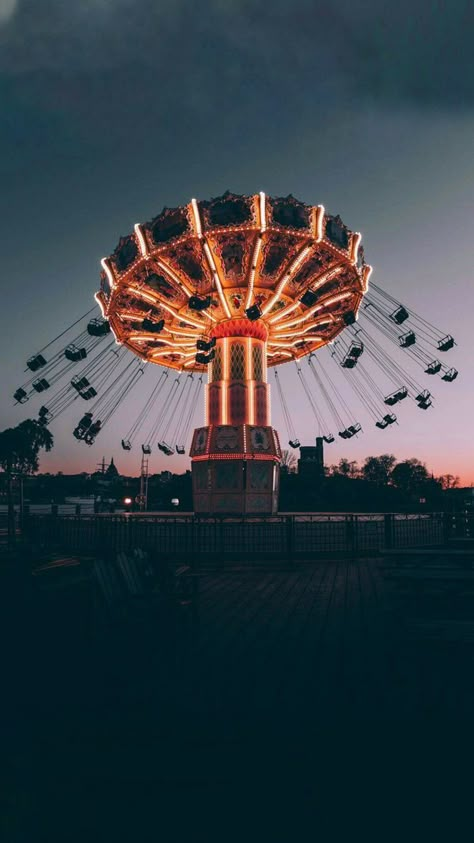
x: 311, y: 461
x: 112, y: 471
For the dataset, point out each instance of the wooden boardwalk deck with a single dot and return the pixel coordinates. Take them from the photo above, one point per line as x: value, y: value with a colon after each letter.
x: 290, y: 677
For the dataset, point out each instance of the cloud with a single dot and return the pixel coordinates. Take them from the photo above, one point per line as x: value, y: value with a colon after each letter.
x: 7, y: 10
x: 373, y: 50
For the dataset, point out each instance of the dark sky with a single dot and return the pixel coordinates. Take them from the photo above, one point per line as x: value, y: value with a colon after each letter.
x: 111, y: 109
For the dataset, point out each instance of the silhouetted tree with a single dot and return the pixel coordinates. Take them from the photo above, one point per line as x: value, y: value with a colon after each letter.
x: 448, y: 481
x: 288, y: 462
x: 19, y: 452
x: 410, y: 476
x: 378, y: 469
x: 346, y: 468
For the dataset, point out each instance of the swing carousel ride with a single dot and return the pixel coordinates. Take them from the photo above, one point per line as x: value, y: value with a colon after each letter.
x: 224, y: 289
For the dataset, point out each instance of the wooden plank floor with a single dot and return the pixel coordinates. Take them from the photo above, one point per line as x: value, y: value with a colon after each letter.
x: 287, y: 678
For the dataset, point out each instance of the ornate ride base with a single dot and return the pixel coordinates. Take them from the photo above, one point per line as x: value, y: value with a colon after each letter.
x: 236, y: 456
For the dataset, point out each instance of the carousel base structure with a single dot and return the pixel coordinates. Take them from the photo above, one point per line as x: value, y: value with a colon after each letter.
x: 235, y: 470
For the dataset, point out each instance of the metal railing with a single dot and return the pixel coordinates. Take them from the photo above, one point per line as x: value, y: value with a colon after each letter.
x: 286, y: 537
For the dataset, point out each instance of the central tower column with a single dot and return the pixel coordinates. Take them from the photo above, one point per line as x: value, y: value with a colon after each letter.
x: 236, y: 456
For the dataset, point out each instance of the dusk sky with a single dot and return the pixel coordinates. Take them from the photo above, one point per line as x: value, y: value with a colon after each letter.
x: 112, y: 109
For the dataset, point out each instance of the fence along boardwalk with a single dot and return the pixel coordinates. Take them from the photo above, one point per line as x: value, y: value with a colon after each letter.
x: 288, y: 537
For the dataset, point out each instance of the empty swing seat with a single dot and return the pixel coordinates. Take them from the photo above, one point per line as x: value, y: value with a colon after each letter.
x: 423, y: 396
x: 44, y: 416
x: 126, y: 445
x: 329, y: 438
x: 294, y: 443
x: 399, y: 315
x: 74, y: 354
x: 36, y: 362
x: 180, y: 449
x: 197, y: 303
x: 390, y: 418
x: 205, y: 358
x: 79, y: 383
x: 354, y: 429
x: 381, y: 424
x: 408, y: 339
x: 349, y: 362
x: 21, y: 396
x: 90, y: 435
x: 146, y: 449
x: 424, y: 399
x: 98, y: 327
x: 88, y: 393
x: 153, y: 327
x: 203, y: 345
x: 356, y: 349
x: 40, y: 385
x: 433, y: 368
x: 396, y: 396
x: 446, y: 343
x: 165, y: 448
x: 83, y: 426
x: 450, y: 375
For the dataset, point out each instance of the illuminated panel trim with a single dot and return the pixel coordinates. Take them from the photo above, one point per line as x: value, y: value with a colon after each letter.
x: 253, y: 269
x: 278, y: 344
x: 225, y: 381
x: 99, y: 302
x: 365, y: 277
x: 242, y: 456
x: 319, y: 223
x: 280, y: 354
x: 225, y: 358
x: 312, y: 310
x: 166, y: 351
x: 142, y: 294
x: 196, y: 218
x: 155, y: 300
x: 355, y: 243
x: 263, y: 211
x: 282, y: 284
x: 177, y: 280
x: 165, y: 340
x: 220, y: 291
x: 326, y: 276
x: 327, y: 320
x: 248, y: 361
x: 251, y: 395
x: 141, y: 239
x: 105, y: 264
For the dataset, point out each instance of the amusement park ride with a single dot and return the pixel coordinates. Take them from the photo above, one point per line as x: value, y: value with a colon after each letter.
x: 228, y: 288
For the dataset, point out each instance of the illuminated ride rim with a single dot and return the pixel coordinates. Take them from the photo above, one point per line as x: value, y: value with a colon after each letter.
x: 278, y: 270
x: 226, y: 288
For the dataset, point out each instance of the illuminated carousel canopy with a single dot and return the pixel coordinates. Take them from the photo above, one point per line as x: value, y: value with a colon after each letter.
x: 290, y: 266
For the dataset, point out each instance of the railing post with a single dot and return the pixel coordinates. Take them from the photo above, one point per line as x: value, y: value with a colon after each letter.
x: 388, y: 530
x: 353, y: 531
x: 290, y: 538
x: 446, y: 527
